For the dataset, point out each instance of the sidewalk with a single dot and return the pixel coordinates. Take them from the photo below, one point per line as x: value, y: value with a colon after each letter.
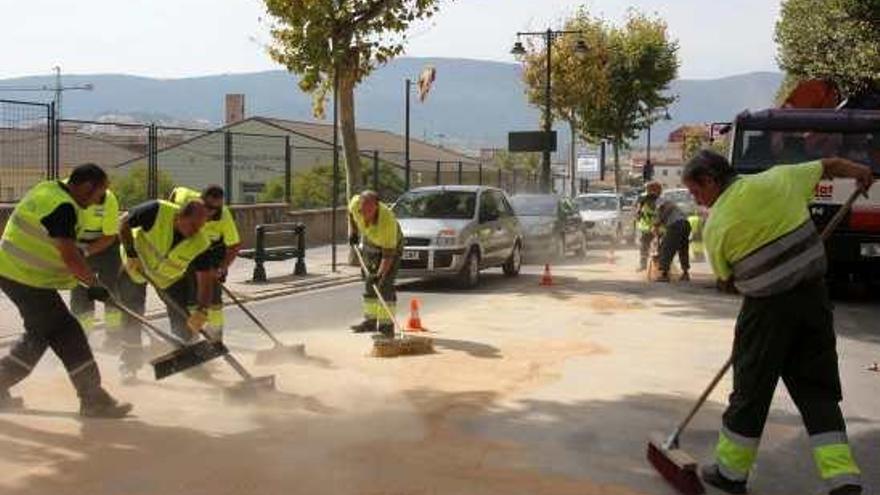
x: 280, y: 274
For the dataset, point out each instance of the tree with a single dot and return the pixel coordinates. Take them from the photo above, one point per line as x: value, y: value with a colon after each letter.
x: 131, y: 188
x: 312, y: 188
x: 641, y: 62
x: 576, y: 78
x: 836, y: 40
x: 323, y: 40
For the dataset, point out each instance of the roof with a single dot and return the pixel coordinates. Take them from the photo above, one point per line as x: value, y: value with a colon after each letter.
x: 372, y: 139
x: 462, y: 188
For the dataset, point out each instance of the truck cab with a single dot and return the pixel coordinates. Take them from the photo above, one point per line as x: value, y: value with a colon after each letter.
x: 777, y: 137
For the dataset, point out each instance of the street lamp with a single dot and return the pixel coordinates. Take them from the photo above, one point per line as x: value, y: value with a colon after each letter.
x: 648, y: 172
x: 519, y: 50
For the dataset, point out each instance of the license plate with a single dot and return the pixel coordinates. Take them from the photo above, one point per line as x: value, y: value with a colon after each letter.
x: 411, y: 255
x: 870, y: 250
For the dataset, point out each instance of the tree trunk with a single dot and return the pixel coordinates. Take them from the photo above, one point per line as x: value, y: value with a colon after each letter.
x: 354, y: 180
x: 353, y: 177
x: 573, y: 157
x: 617, y: 141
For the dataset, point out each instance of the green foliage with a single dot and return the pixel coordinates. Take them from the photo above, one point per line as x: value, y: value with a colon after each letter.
x: 695, y: 141
x: 521, y: 161
x: 131, y: 188
x: 313, y: 37
x: 313, y: 188
x: 837, y: 40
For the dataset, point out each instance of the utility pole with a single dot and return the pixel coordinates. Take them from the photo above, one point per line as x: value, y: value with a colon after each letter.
x: 56, y: 89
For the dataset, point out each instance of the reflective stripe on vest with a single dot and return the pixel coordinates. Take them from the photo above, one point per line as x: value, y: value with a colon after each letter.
x: 782, y: 264
x: 27, y: 254
x: 163, y: 263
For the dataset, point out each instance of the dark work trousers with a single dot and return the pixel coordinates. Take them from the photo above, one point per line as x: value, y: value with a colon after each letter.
x: 645, y: 239
x: 134, y: 296
x: 789, y: 335
x: 47, y: 324
x: 373, y: 309
x: 107, y: 264
x: 676, y: 240
x: 183, y: 294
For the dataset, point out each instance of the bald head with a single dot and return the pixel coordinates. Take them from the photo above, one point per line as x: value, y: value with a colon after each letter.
x: 191, y: 218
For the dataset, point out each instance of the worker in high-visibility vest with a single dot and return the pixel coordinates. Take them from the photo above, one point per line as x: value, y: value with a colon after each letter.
x: 97, y: 238
x: 646, y: 211
x: 225, y: 245
x: 759, y: 234
x: 161, y: 241
x: 38, y: 257
x: 375, y: 224
x: 697, y: 220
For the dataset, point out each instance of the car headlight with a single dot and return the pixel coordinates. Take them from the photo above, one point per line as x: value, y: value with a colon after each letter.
x: 447, y: 238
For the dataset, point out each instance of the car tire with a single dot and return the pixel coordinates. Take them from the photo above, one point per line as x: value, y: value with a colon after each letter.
x: 512, y: 266
x: 469, y: 276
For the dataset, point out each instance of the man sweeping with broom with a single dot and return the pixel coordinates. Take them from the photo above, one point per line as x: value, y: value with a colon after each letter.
x: 759, y: 234
x: 382, y: 248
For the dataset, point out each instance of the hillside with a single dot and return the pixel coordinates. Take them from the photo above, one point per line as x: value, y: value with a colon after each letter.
x: 474, y: 104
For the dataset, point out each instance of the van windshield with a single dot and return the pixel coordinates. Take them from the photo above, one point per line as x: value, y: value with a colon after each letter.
x: 436, y: 204
x: 758, y: 150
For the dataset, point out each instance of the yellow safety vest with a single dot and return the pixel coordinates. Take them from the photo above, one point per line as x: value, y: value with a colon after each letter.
x: 223, y: 229
x: 163, y: 263
x: 99, y: 220
x: 647, y: 214
x: 27, y: 254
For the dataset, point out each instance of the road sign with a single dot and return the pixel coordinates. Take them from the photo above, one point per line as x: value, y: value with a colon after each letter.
x: 531, y: 141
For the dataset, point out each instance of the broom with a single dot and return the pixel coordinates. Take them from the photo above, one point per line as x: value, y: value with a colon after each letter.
x: 674, y: 464
x: 400, y: 344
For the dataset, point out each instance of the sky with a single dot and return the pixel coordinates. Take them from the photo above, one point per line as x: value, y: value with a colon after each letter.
x: 182, y: 38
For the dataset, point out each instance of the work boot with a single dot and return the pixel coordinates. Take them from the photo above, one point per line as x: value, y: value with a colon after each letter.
x: 99, y: 404
x: 365, y: 326
x: 8, y: 402
x: 846, y: 490
x: 663, y: 278
x: 712, y: 476
x: 387, y: 330
x: 685, y: 277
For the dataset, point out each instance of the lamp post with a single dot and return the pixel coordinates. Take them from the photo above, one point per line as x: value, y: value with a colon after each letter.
x: 519, y: 50
x: 406, y: 160
x: 648, y: 172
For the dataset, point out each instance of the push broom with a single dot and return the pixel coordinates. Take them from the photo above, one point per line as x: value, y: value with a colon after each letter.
x: 400, y: 344
x: 250, y: 384
x: 184, y: 357
x: 674, y: 464
x: 279, y: 352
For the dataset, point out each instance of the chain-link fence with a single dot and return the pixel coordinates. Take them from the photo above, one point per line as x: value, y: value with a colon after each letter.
x: 146, y: 161
x: 26, y: 151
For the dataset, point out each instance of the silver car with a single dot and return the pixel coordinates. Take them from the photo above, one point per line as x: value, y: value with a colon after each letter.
x: 456, y: 231
x: 605, y: 212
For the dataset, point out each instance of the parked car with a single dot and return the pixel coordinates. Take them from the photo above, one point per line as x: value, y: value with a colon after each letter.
x: 552, y: 226
x: 456, y: 231
x: 681, y: 197
x: 605, y: 212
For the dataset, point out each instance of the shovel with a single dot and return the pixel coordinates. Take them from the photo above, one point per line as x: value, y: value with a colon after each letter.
x: 250, y: 386
x: 279, y: 352
x: 184, y: 357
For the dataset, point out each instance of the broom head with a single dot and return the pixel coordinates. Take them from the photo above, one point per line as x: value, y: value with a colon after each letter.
x: 676, y: 466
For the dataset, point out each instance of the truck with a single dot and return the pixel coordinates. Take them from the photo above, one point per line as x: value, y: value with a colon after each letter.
x: 775, y: 137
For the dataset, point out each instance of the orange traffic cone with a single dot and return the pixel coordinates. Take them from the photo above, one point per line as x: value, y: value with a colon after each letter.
x: 414, y: 324
x: 547, y: 279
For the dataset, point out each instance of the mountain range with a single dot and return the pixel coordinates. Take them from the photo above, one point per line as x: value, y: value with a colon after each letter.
x: 473, y: 104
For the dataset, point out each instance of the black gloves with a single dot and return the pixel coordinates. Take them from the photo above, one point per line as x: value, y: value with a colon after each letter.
x: 98, y: 293
x: 354, y: 239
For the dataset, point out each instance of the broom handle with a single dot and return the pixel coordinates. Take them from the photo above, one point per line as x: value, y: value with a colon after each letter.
x: 381, y: 299
x: 826, y: 234
x: 250, y: 314
x: 230, y: 360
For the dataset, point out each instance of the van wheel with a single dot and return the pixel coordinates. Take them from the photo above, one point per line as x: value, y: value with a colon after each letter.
x: 513, y: 264
x: 469, y: 276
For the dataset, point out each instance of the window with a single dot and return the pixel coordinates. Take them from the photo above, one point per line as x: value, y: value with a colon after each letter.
x: 489, y: 208
x: 665, y: 173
